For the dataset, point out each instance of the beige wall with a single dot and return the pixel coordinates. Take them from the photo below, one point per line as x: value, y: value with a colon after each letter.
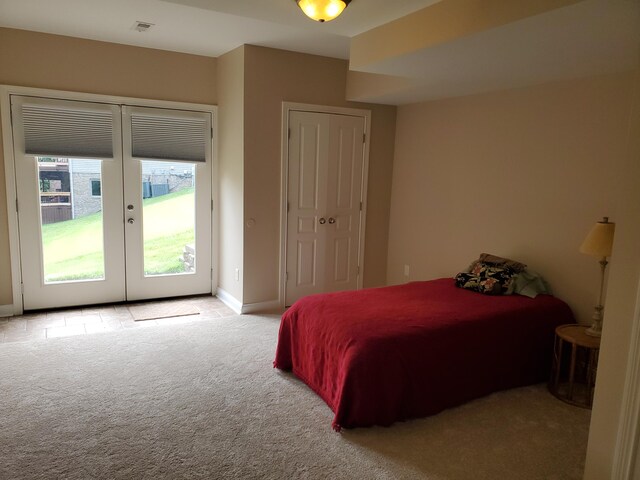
x: 64, y: 63
x: 231, y: 170
x: 620, y: 309
x: 271, y: 77
x: 522, y: 173
x: 525, y: 173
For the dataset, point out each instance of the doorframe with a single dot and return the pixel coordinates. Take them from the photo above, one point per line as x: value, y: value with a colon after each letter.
x: 287, y: 108
x: 626, y: 452
x: 10, y: 180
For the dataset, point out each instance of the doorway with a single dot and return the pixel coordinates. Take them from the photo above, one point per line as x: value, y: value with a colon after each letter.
x: 325, y: 201
x: 114, y: 201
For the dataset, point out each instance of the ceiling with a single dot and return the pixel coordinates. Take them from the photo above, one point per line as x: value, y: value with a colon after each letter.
x: 585, y: 38
x: 581, y: 38
x: 205, y: 27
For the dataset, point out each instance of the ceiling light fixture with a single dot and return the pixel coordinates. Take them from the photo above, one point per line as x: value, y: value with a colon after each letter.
x: 322, y: 10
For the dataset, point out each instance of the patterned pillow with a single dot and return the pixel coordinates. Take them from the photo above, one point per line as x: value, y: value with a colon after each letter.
x: 487, y: 279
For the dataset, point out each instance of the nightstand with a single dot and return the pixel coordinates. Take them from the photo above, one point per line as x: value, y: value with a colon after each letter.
x: 575, y: 360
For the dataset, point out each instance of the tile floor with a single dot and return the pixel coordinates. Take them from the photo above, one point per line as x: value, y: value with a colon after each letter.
x: 102, y: 318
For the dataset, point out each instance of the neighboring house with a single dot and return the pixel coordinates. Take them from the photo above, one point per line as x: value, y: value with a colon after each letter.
x: 72, y: 188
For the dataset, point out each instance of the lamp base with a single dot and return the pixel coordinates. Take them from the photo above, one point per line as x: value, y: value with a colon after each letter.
x: 594, y: 330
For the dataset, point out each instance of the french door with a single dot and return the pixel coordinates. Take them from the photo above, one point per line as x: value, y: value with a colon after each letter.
x: 114, y: 202
x: 324, y: 194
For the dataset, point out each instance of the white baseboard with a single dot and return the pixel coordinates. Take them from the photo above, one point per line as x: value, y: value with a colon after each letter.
x: 232, y: 302
x: 6, y: 310
x: 271, y: 306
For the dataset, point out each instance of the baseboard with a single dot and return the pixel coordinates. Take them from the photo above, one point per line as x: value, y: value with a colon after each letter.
x: 6, y: 310
x: 229, y: 300
x: 272, y: 306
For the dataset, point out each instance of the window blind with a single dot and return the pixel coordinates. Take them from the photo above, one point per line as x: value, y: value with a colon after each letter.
x: 166, y: 137
x: 59, y: 128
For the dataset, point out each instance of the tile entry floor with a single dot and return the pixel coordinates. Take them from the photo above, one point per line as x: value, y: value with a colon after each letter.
x: 102, y: 318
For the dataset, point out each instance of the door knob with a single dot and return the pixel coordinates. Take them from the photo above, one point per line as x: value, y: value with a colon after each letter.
x: 131, y: 221
x: 332, y: 220
x: 322, y: 221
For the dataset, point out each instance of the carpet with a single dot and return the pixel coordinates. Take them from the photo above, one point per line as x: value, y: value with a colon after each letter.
x: 202, y: 400
x: 161, y: 310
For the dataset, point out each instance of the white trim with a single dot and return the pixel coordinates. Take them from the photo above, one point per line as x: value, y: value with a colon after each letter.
x: 6, y: 310
x: 215, y: 203
x: 627, y: 444
x: 272, y: 306
x: 9, y: 164
x: 287, y: 107
x: 229, y: 300
x: 12, y: 195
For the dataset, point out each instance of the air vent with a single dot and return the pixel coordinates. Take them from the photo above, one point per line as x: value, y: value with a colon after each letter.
x: 142, y: 26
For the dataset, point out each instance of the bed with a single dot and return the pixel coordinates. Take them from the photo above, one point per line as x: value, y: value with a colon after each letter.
x: 380, y: 355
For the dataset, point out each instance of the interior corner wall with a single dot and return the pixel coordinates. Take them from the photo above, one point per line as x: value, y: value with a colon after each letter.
x: 57, y: 62
x: 620, y: 309
x: 521, y: 173
x: 271, y: 77
x: 230, y: 83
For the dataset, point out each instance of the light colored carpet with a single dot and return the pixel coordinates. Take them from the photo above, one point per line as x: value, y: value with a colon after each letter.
x: 202, y: 400
x: 161, y: 310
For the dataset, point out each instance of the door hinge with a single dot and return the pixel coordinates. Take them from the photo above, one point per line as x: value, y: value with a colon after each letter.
x: 286, y: 276
x: 211, y: 132
x: 360, y: 206
x: 17, y: 206
x: 287, y: 207
x: 22, y: 288
x: 288, y: 134
x: 211, y: 273
x: 212, y: 204
x: 358, y: 270
x: 364, y: 138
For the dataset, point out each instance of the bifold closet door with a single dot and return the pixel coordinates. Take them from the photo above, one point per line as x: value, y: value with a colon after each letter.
x: 324, y: 194
x: 68, y: 163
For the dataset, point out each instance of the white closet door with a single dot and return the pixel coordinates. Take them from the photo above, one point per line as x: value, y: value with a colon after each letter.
x: 344, y: 194
x: 325, y: 175
x: 308, y: 163
x: 70, y: 201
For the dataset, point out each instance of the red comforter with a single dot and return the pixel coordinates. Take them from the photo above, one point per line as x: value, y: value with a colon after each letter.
x: 385, y: 354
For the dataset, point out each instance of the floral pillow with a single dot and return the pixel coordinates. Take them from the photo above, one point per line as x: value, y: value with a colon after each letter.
x: 486, y: 278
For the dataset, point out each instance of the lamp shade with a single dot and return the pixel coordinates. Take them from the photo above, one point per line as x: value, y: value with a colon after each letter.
x: 599, y: 241
x: 322, y: 10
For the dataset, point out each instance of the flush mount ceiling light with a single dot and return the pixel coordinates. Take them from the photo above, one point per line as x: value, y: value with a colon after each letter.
x: 322, y: 10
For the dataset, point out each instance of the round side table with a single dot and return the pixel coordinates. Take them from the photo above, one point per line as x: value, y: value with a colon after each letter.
x: 574, y: 383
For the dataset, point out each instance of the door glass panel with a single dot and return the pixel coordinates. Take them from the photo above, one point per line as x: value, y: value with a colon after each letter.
x: 71, y: 219
x: 168, y: 212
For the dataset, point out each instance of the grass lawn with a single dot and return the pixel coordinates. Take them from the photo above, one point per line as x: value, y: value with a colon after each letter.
x: 73, y: 249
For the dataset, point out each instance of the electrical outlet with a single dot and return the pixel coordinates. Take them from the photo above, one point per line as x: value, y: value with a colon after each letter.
x: 237, y: 274
x: 406, y: 270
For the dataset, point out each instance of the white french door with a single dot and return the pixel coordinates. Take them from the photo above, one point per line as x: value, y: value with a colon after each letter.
x: 156, y: 229
x: 325, y: 175
x: 114, y: 201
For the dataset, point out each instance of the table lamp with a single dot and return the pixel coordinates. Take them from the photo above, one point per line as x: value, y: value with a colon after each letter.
x: 599, y: 243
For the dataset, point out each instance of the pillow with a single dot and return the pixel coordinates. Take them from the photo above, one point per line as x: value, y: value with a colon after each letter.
x: 486, y: 278
x: 530, y: 284
x: 494, y: 260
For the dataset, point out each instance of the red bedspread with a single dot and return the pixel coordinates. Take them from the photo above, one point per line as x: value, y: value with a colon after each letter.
x: 385, y: 354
